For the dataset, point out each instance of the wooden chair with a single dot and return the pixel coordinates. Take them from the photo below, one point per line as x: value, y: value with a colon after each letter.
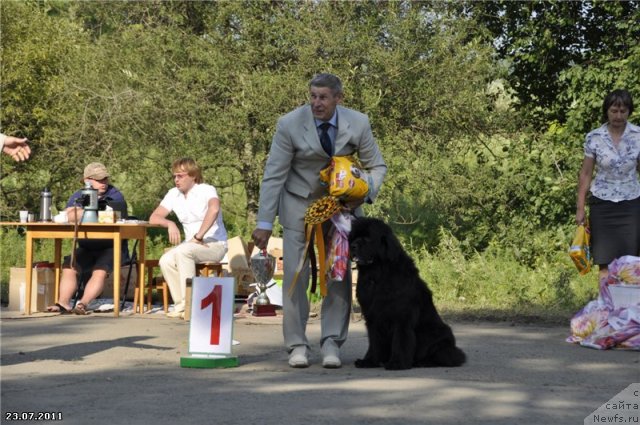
x: 209, y: 268
x: 158, y: 283
x: 205, y: 269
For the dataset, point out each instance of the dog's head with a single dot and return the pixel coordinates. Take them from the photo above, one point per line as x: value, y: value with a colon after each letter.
x: 372, y: 241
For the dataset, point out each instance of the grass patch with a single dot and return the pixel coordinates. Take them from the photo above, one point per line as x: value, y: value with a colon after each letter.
x: 528, y: 316
x: 494, y: 285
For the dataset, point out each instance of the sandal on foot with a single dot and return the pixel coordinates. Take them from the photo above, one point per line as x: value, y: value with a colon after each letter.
x: 58, y: 308
x: 81, y: 309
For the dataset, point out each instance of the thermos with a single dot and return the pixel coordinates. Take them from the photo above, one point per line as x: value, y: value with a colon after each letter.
x: 45, y: 205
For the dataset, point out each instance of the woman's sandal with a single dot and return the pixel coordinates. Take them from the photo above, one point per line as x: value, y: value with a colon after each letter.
x: 81, y: 309
x: 58, y: 308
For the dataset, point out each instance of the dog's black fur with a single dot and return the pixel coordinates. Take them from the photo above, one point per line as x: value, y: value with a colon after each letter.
x: 403, y: 325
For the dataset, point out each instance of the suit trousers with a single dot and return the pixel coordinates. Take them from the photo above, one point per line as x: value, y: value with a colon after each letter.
x: 336, y: 306
x: 179, y: 264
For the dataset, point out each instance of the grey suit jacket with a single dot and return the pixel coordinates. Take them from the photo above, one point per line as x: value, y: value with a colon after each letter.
x: 291, y: 176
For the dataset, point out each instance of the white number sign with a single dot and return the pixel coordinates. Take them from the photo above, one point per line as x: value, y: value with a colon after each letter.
x: 212, y: 307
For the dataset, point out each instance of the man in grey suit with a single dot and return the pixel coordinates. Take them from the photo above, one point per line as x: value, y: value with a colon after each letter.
x: 303, y: 144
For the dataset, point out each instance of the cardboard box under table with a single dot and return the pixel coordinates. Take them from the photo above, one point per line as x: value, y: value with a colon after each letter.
x: 238, y: 265
x: 42, y: 288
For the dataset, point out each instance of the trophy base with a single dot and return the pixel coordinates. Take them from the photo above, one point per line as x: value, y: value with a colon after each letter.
x: 264, y: 310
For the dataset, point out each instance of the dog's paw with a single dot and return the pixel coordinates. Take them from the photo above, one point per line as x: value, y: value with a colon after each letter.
x: 364, y: 363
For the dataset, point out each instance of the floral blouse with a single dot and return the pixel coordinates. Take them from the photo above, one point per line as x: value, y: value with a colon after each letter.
x: 616, y: 169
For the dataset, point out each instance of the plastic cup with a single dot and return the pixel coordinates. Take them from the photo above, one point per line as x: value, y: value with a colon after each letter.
x: 24, y: 216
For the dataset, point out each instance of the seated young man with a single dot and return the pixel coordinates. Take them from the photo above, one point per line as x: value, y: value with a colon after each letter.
x: 94, y: 257
x: 197, y: 207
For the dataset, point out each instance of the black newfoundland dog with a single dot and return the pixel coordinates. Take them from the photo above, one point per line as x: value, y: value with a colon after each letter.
x: 403, y: 325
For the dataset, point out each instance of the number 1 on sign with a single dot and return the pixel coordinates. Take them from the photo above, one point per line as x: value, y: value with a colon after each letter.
x: 214, y: 299
x: 211, y: 315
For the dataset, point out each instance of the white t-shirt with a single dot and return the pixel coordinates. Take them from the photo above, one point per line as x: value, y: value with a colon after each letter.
x: 191, y: 210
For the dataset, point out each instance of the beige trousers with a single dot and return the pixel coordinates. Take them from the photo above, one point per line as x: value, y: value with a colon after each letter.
x: 179, y: 264
x: 336, y: 306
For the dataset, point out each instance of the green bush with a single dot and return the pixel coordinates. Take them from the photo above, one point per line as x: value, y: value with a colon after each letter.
x: 496, y: 282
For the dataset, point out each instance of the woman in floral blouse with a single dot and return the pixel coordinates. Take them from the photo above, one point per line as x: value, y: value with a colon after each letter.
x: 613, y: 150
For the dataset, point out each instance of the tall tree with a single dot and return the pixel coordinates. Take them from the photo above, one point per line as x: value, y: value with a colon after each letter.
x: 38, y: 49
x: 541, y: 39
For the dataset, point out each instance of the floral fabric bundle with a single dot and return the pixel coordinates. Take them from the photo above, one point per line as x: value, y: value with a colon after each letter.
x: 624, y: 270
x: 599, y: 324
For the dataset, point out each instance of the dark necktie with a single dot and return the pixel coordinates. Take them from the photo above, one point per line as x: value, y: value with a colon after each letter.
x: 325, y: 140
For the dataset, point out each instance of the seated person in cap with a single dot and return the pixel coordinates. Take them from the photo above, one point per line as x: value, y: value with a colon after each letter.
x: 94, y: 257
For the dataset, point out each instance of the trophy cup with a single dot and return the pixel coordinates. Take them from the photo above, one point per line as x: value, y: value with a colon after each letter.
x: 263, y: 267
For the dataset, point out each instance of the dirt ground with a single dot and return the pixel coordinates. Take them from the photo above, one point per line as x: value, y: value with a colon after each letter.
x: 99, y: 369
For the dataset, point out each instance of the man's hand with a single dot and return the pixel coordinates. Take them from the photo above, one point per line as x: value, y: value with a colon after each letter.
x: 261, y: 238
x: 17, y: 148
x: 174, y: 233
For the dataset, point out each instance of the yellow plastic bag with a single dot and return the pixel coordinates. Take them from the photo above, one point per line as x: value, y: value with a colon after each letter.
x: 345, y: 179
x: 580, y: 249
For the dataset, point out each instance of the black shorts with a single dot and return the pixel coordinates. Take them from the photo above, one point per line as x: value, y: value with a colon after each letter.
x: 89, y: 260
x: 615, y: 229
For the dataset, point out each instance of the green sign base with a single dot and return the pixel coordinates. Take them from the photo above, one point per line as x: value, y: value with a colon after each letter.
x: 209, y: 362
